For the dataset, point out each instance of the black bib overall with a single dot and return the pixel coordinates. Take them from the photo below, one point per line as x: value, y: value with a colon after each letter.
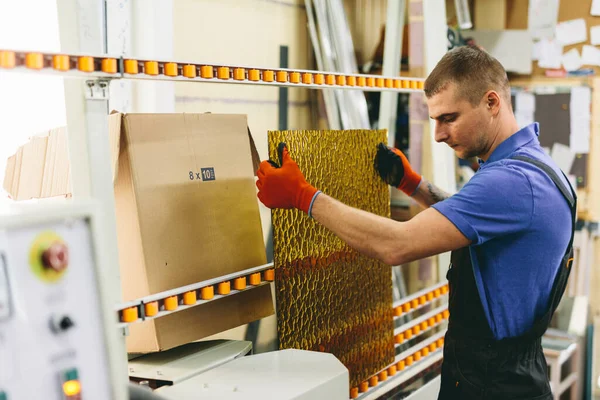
x: 476, y: 366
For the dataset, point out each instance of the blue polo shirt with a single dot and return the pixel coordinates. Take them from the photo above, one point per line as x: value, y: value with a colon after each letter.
x: 519, y: 225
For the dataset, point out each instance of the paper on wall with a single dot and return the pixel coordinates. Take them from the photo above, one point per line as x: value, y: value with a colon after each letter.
x: 595, y: 7
x: 580, y: 119
x: 595, y: 34
x: 524, y: 108
x: 571, y: 60
x: 571, y: 32
x: 543, y: 15
x: 581, y: 100
x: 563, y: 156
x: 535, y: 51
x: 550, y: 53
x: 590, y: 55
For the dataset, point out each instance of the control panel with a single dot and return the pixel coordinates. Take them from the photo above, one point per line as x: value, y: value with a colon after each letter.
x: 52, y: 339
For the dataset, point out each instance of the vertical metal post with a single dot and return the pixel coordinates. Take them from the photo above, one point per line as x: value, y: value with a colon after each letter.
x: 392, y: 54
x: 82, y: 26
x: 444, y: 160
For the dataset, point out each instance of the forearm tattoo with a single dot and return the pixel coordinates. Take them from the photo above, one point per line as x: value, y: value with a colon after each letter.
x: 436, y: 194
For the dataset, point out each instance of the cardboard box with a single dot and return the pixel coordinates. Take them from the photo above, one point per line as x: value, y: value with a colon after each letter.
x: 186, y: 212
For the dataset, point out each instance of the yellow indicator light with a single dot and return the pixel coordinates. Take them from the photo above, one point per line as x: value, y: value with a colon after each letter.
x: 72, y: 388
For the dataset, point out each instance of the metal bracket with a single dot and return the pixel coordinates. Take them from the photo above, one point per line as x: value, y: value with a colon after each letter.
x: 97, y: 89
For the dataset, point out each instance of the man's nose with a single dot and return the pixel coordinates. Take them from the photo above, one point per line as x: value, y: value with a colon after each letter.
x: 441, y: 134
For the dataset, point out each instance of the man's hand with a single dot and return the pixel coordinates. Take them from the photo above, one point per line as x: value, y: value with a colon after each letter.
x: 395, y: 170
x: 284, y: 186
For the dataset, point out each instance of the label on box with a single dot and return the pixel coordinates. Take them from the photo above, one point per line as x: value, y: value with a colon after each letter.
x: 205, y: 174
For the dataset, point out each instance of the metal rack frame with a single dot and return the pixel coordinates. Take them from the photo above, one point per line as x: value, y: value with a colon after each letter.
x: 84, y: 56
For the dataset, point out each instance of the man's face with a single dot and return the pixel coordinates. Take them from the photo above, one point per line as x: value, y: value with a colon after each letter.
x: 458, y: 124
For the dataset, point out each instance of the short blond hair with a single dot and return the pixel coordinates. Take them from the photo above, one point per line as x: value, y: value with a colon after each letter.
x: 472, y: 70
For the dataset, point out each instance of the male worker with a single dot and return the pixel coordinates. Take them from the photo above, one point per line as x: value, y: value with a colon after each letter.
x: 510, y: 229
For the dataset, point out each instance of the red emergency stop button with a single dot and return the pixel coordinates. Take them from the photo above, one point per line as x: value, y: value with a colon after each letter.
x: 56, y: 257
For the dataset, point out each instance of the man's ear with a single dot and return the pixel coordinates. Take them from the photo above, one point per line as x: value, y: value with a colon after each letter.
x: 493, y: 101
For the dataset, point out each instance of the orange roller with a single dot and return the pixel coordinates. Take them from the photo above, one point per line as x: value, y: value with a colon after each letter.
x: 189, y: 298
x: 268, y: 76
x: 399, y: 338
x: 437, y: 293
x: 432, y: 347
x: 389, y: 83
x: 207, y: 293
x: 373, y: 381
x: 363, y: 387
x: 416, y: 330
x: 254, y: 278
x: 223, y: 73
x: 414, y: 303
x: 382, y: 376
x: 171, y: 303
x: 445, y: 314
x: 281, y: 76
x: 7, y: 59
x: 109, y: 65
x: 429, y: 296
x: 431, y: 321
x: 354, y: 392
x: 440, y: 342
x: 405, y: 84
x: 391, y: 370
x: 319, y: 79
x: 34, y: 60
x: 424, y: 325
x: 438, y: 318
x: 270, y: 275
x: 380, y: 82
x: 330, y: 79
x: 189, y: 71
x: 239, y: 283
x: 61, y: 62
x: 408, y: 333
x: 253, y: 75
x: 207, y: 72
x: 129, y: 314
x: 397, y: 311
x: 224, y: 287
x: 151, y: 309
x: 400, y: 365
x: 370, y: 81
x: 361, y: 81
x: 131, y: 66
x: 307, y: 78
x: 351, y: 80
x: 425, y: 351
x: 421, y: 85
x: 418, y: 355
x: 414, y: 84
x: 406, y: 307
x: 410, y: 360
x: 170, y: 69
x: 151, y: 68
x: 397, y: 83
x: 85, y: 64
x: 239, y: 74
x: 444, y: 289
x: 422, y: 300
x: 340, y: 80
x: 295, y: 77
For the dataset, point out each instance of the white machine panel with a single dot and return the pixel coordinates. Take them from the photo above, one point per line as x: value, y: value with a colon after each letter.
x: 52, y: 343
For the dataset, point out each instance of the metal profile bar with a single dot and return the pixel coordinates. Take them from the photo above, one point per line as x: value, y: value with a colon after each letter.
x: 181, y: 307
x: 418, y: 294
x: 421, y: 319
x: 194, y: 286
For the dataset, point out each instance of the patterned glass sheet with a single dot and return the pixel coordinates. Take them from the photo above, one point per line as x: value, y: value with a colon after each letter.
x: 329, y: 297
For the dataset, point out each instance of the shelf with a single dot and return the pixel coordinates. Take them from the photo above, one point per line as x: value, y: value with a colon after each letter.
x: 116, y: 67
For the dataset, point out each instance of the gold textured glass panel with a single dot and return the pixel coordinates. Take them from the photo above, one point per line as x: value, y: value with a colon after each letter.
x: 329, y: 297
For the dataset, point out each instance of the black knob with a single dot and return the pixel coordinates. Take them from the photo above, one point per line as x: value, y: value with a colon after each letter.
x: 65, y: 323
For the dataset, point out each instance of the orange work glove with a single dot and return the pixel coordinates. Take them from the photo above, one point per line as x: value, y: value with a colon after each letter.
x: 284, y: 186
x: 395, y: 170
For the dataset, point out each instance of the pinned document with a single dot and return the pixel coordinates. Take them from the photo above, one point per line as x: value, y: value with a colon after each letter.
x: 571, y: 60
x: 571, y: 32
x: 590, y: 55
x: 543, y: 15
x: 550, y: 53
